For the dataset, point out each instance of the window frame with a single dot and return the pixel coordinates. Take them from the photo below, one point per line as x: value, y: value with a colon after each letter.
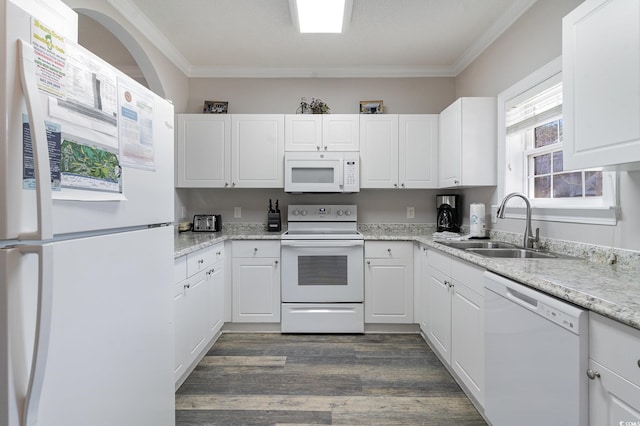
x: 604, y: 212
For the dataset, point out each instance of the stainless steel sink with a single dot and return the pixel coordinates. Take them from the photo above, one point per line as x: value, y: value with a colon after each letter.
x: 476, y: 244
x: 513, y: 253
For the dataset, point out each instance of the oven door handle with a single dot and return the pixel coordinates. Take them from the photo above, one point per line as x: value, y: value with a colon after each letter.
x: 322, y: 243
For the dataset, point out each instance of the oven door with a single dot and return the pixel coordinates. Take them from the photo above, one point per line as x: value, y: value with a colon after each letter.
x: 322, y: 271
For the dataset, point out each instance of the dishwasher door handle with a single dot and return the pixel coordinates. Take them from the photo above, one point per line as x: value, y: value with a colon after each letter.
x: 521, y: 298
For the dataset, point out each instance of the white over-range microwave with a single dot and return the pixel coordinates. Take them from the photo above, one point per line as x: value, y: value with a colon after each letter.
x: 322, y: 172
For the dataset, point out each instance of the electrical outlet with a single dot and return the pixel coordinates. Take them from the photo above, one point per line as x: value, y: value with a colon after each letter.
x: 237, y: 212
x: 411, y: 212
x: 184, y: 212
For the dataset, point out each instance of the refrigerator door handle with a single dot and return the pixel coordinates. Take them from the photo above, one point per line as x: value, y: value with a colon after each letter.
x: 42, y: 332
x: 39, y: 145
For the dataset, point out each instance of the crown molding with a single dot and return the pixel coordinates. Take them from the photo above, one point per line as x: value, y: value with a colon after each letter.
x: 508, y: 18
x: 139, y: 20
x: 328, y: 72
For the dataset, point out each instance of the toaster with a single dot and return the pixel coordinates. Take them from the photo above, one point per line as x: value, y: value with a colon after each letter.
x: 207, y: 223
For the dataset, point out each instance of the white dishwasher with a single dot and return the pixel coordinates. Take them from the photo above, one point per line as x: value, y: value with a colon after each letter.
x: 536, y: 356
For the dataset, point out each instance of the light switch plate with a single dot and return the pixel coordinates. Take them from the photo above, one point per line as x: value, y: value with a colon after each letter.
x: 237, y: 212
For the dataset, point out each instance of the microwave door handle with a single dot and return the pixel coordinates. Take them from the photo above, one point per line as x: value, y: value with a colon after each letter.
x: 341, y: 173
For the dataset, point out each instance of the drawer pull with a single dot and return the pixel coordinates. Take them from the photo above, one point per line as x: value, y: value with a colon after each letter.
x: 591, y: 374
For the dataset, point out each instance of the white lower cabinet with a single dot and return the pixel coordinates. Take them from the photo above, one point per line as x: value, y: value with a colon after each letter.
x: 421, y: 288
x: 198, y: 306
x: 614, y: 372
x: 455, y: 321
x: 256, y: 281
x: 388, y: 282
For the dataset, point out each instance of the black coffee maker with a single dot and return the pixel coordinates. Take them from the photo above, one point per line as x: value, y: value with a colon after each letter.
x: 449, y: 214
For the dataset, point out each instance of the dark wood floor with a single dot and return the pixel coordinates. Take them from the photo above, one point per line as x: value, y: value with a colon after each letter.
x: 373, y: 379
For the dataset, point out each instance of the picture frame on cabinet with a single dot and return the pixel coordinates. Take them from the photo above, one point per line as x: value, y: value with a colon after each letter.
x: 371, y: 107
x: 215, y: 107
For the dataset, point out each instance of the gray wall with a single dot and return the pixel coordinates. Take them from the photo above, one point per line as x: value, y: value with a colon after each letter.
x: 343, y: 95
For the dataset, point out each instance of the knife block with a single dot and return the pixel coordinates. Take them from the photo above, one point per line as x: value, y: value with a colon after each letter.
x: 274, y: 223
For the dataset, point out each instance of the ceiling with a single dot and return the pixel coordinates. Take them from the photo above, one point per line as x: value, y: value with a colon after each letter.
x: 385, y: 38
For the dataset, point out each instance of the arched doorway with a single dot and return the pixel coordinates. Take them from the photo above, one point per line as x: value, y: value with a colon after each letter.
x: 108, y: 39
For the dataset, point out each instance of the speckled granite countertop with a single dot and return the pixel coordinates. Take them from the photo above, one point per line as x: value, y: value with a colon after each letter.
x: 610, y: 290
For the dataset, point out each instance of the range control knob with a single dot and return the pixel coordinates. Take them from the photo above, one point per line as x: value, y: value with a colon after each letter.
x: 347, y: 212
x: 339, y: 212
x: 303, y: 212
x: 296, y: 212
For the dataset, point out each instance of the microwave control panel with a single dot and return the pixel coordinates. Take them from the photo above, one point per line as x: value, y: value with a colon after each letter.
x: 351, y: 172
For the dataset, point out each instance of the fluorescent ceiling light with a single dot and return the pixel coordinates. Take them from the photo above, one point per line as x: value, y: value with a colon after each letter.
x: 321, y: 16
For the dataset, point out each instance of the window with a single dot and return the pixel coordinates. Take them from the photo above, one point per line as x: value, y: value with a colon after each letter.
x: 530, y: 148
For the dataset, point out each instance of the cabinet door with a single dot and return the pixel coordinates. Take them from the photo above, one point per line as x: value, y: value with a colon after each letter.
x: 203, y: 151
x: 303, y: 132
x: 601, y: 84
x: 257, y: 151
x: 196, y: 299
x: 449, y: 145
x: 388, y: 291
x: 467, y: 338
x: 423, y: 284
x: 340, y: 132
x: 612, y: 399
x: 256, y: 289
x: 180, y: 327
x: 440, y: 313
x: 418, y: 151
x: 215, y: 309
x: 379, y: 151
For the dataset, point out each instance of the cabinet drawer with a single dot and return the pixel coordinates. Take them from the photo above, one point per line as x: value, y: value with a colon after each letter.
x: 388, y: 249
x: 440, y: 261
x: 256, y: 248
x: 201, y: 259
x: 179, y: 269
x: 472, y: 276
x: 616, y: 346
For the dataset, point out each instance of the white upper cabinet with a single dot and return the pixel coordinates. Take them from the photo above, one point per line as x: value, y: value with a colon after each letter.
x: 467, y: 144
x: 601, y: 85
x: 257, y: 150
x: 322, y: 132
x: 418, y: 151
x: 399, y: 151
x: 379, y: 151
x: 230, y: 151
x: 203, y: 150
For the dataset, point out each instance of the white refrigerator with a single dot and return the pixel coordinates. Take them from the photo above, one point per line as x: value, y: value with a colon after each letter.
x: 86, y: 242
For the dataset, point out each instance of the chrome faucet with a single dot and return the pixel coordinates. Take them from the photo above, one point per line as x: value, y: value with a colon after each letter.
x: 529, y: 238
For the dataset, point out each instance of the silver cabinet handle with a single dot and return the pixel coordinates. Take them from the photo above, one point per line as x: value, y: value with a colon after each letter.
x: 368, y: 262
x: 389, y: 250
x: 218, y: 253
x: 200, y: 261
x: 325, y: 148
x: 591, y: 374
x: 255, y: 249
x: 317, y: 147
x: 186, y: 286
x: 639, y: 363
x: 226, y: 184
x: 403, y: 185
x: 395, y: 185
